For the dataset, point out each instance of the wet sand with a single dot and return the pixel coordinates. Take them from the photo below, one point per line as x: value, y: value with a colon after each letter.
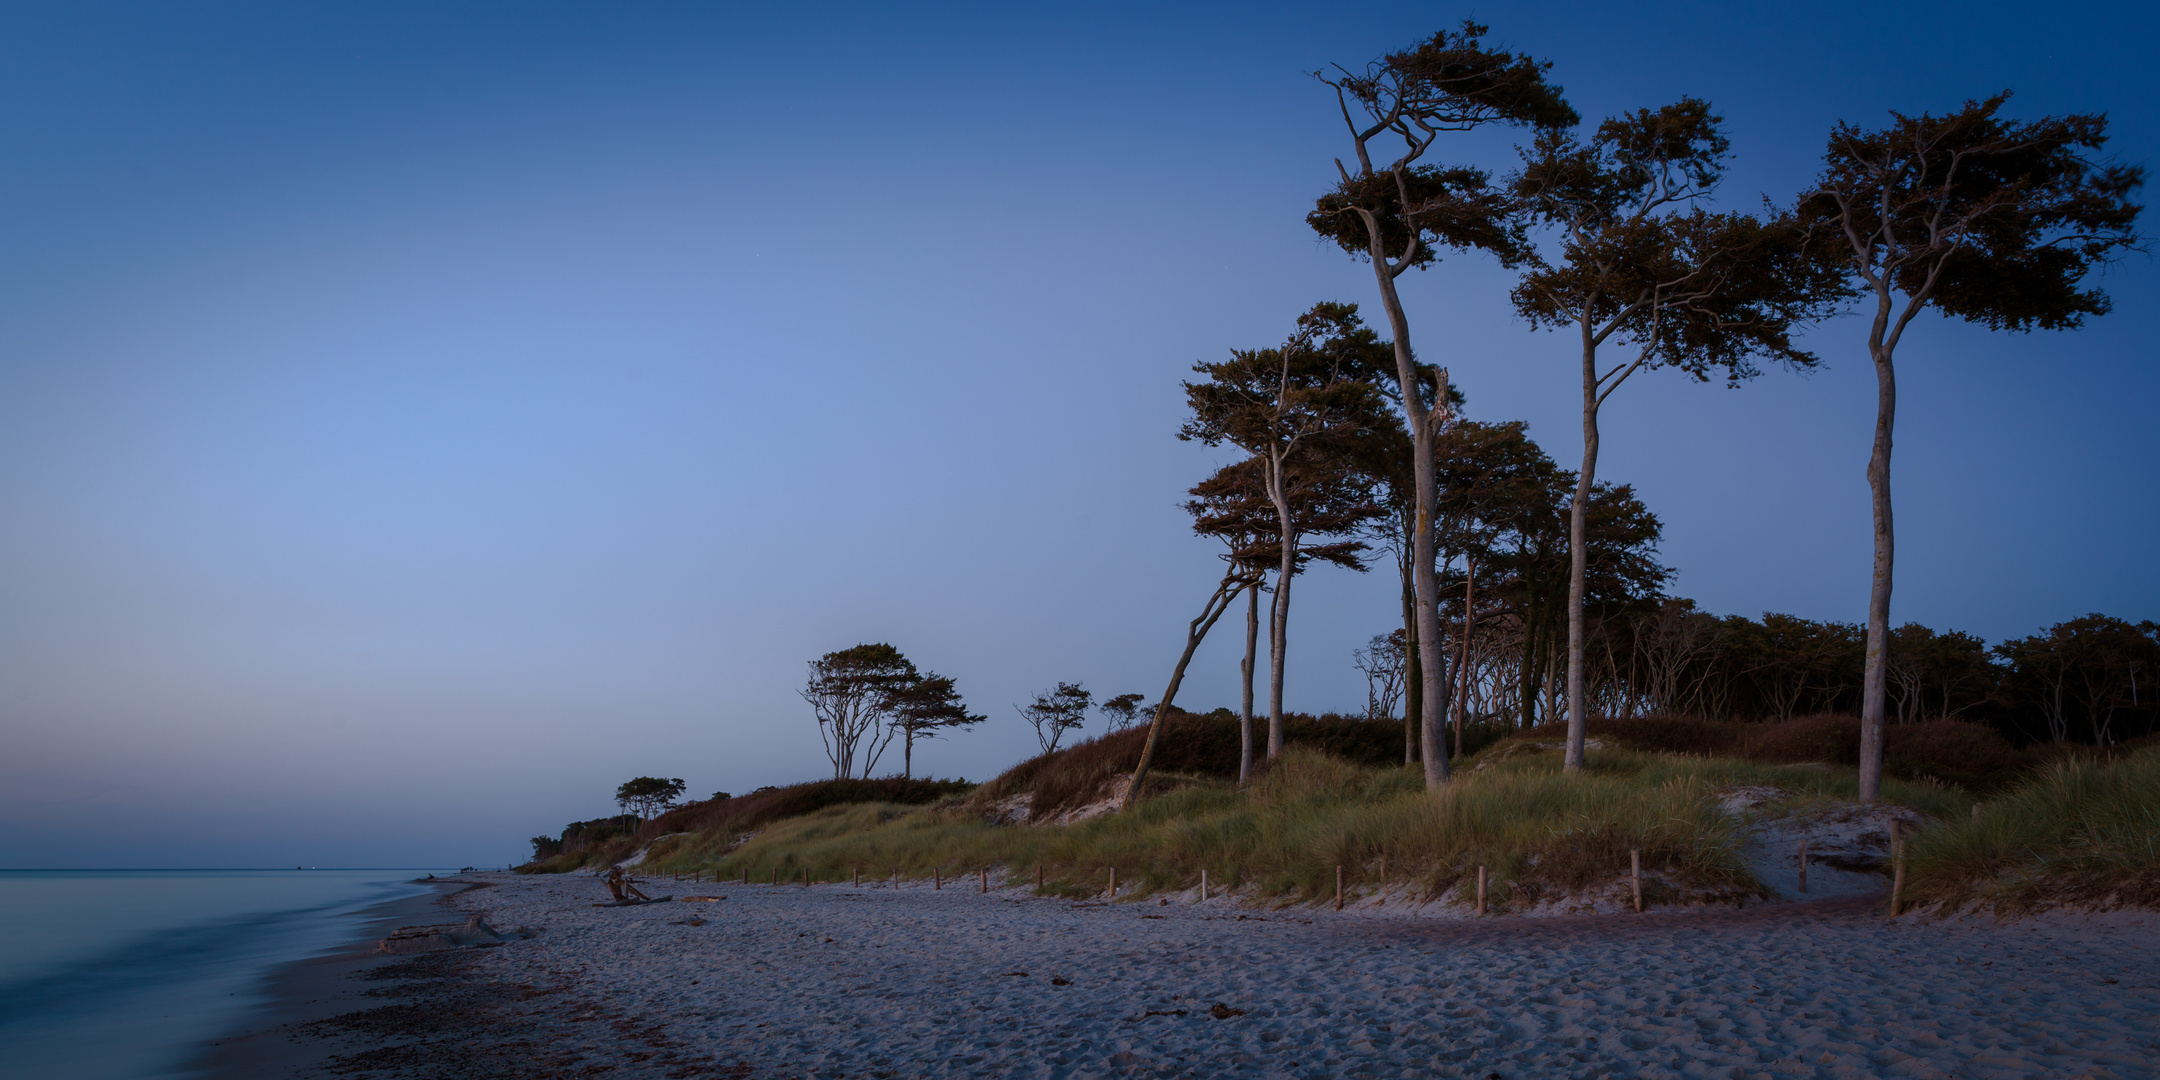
x: 833, y: 981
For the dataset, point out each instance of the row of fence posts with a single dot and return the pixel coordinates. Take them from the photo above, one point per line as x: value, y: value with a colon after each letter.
x: 937, y: 874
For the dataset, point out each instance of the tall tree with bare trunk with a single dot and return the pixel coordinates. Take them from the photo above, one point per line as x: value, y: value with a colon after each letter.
x: 1402, y: 212
x: 1638, y: 266
x: 1988, y: 219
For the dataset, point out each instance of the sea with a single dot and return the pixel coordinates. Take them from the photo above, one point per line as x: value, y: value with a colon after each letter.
x: 127, y: 974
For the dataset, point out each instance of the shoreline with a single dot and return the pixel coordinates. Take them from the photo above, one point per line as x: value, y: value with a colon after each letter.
x: 835, y: 980
x: 273, y: 1039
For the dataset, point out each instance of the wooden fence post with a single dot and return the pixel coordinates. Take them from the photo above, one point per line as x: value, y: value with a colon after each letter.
x: 776, y: 875
x: 1481, y: 892
x: 805, y: 877
x: 1203, y: 885
x: 985, y: 872
x: 1635, y: 875
x: 1897, y: 864
x: 855, y: 877
x: 937, y: 878
x: 1113, y: 883
x: 1803, y: 864
x: 1338, y: 886
x: 1038, y: 877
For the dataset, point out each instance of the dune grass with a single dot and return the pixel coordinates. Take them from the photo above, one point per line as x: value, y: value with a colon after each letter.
x: 1541, y: 834
x: 2084, y: 833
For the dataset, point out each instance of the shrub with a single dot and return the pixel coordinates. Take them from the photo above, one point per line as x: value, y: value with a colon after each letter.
x: 2083, y: 833
x: 1972, y: 756
x: 1192, y: 746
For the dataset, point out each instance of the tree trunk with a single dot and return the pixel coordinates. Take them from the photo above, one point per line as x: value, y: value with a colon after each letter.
x: 1413, y: 686
x: 1252, y: 653
x: 1462, y: 666
x: 1425, y: 586
x: 1872, y: 690
x: 1225, y: 592
x: 1579, y: 556
x: 1278, y: 645
x: 907, y: 756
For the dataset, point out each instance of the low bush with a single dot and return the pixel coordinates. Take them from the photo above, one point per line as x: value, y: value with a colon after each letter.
x: 2084, y: 833
x: 1191, y: 747
x: 608, y: 840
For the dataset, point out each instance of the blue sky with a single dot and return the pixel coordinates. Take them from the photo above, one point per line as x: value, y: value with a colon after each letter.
x: 415, y: 420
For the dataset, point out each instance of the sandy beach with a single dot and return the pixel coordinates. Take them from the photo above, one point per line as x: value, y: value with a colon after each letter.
x: 838, y: 981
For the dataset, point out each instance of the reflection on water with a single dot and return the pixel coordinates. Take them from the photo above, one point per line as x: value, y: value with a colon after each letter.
x: 121, y: 973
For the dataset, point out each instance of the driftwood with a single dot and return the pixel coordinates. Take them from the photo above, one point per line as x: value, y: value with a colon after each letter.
x: 406, y: 940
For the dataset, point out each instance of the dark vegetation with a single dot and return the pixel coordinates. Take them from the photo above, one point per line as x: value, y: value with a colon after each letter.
x: 607, y: 840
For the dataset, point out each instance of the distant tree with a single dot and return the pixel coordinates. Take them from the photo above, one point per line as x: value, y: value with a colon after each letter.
x: 1055, y: 712
x: 1401, y: 213
x: 922, y: 709
x: 854, y: 693
x: 1300, y: 410
x: 1986, y: 219
x: 2088, y: 668
x: 1937, y: 675
x: 1381, y: 662
x: 646, y: 796
x: 1640, y: 267
x: 1122, y: 710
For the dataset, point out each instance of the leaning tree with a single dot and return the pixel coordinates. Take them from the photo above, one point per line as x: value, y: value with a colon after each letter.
x: 1402, y: 212
x: 1639, y: 267
x: 1983, y: 218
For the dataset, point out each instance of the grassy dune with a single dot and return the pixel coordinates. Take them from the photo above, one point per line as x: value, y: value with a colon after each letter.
x: 1541, y: 834
x: 2083, y: 833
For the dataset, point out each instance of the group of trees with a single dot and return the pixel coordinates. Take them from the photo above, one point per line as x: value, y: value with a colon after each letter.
x: 866, y: 697
x: 1351, y: 442
x: 2087, y: 679
x: 1531, y: 592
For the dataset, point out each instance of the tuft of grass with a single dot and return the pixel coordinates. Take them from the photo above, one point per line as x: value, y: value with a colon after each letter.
x: 2084, y: 833
x: 1540, y: 833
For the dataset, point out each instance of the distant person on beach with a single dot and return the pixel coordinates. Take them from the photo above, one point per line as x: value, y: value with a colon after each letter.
x: 618, y: 883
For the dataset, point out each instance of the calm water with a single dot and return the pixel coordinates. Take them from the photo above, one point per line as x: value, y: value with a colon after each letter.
x: 112, y: 974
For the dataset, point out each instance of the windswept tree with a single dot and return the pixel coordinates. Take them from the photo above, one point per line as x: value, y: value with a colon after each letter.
x: 922, y: 709
x: 1300, y: 410
x: 854, y: 693
x: 1122, y: 710
x: 1056, y: 711
x: 1640, y: 268
x: 1987, y: 219
x: 646, y: 796
x: 1398, y: 211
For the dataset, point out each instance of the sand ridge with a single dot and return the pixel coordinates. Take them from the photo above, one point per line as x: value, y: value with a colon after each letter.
x: 832, y: 980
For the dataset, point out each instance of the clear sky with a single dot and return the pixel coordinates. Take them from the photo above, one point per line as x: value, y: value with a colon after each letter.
x: 416, y: 420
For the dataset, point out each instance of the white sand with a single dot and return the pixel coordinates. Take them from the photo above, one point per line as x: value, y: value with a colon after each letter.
x: 834, y: 981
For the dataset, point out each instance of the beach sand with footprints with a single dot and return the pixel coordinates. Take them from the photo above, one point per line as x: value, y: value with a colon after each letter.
x: 835, y: 980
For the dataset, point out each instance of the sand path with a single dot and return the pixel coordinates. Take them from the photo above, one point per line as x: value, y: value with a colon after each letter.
x: 832, y: 981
